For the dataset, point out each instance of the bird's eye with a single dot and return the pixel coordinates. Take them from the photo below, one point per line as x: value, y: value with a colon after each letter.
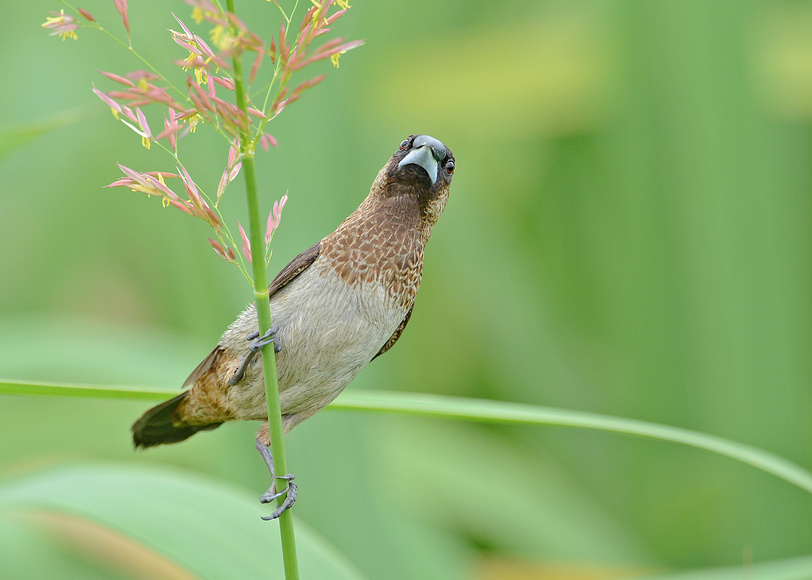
x: 403, y: 145
x: 449, y: 167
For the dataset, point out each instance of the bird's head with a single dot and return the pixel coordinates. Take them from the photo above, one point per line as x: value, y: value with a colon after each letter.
x: 420, y: 173
x: 424, y: 161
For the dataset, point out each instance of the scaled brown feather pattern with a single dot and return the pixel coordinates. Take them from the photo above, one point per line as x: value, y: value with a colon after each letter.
x: 337, y: 306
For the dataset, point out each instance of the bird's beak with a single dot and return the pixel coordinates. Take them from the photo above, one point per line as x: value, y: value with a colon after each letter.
x: 427, y: 152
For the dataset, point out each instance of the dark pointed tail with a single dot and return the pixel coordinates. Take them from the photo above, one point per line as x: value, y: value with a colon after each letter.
x: 157, y: 426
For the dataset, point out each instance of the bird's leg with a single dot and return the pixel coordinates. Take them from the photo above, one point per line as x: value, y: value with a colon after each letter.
x: 256, y: 344
x: 272, y: 494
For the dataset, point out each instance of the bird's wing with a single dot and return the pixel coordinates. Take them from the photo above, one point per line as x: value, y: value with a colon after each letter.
x: 204, y: 366
x: 396, y: 335
x: 296, y: 266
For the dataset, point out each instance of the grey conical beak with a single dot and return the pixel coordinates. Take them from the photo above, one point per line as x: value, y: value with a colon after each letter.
x: 427, y: 152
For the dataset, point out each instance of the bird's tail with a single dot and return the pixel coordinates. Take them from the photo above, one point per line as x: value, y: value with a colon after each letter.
x: 160, y: 425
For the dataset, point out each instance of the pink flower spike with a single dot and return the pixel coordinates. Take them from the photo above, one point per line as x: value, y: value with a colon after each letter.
x: 280, y: 106
x: 246, y: 246
x: 128, y: 172
x: 308, y: 85
x: 283, y: 45
x: 180, y: 41
x: 321, y: 31
x: 142, y: 120
x: 135, y: 177
x: 171, y: 128
x: 201, y: 108
x: 86, y: 14
x: 118, y: 79
x: 191, y: 188
x: 277, y: 210
x: 269, y: 227
x: 212, y: 218
x: 128, y: 112
x: 162, y: 174
x: 121, y: 6
x: 61, y: 24
x: 267, y: 140
x: 141, y: 182
x: 221, y: 187
x: 173, y: 120
x: 161, y: 187
x: 119, y: 183
x: 205, y: 103
x: 308, y: 17
x: 204, y: 48
x: 108, y: 101
x: 272, y: 50
x: 141, y: 76
x: 234, y: 172
x: 182, y: 25
x: 183, y: 206
x: 228, y: 257
x: 335, y: 17
x: 232, y: 153
x: 274, y: 218
x: 255, y: 66
x: 223, y: 82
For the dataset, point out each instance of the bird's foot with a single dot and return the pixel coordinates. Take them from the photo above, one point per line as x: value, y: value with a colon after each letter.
x: 289, y: 492
x: 256, y: 343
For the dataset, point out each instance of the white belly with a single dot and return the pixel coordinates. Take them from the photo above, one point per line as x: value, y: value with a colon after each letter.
x: 328, y: 330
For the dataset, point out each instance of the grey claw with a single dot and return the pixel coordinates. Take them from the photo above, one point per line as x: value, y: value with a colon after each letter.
x: 256, y: 345
x: 269, y: 337
x: 272, y: 494
x: 290, y: 499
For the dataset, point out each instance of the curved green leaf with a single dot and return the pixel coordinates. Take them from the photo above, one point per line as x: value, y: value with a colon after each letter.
x: 484, y: 411
x: 10, y: 387
x: 503, y: 412
x: 787, y: 569
x: 205, y: 526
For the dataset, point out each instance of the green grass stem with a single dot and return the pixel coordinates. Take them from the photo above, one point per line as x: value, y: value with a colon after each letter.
x: 255, y: 236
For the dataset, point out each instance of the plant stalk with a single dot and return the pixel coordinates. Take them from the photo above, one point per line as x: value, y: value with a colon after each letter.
x: 255, y: 237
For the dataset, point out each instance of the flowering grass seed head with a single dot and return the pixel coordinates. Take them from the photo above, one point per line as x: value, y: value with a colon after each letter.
x: 243, y: 124
x: 62, y: 24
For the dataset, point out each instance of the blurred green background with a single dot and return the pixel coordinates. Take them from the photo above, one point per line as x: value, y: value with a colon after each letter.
x: 629, y: 232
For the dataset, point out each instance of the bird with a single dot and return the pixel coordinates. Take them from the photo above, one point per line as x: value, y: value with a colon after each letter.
x: 335, y: 307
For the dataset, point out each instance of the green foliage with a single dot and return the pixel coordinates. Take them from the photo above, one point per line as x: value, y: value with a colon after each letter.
x: 14, y: 138
x: 170, y: 514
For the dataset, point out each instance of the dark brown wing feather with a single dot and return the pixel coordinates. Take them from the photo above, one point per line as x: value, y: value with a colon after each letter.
x: 395, y: 335
x: 204, y: 366
x: 296, y: 266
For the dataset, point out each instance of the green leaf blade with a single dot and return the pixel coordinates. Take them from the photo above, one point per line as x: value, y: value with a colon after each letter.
x: 203, y: 525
